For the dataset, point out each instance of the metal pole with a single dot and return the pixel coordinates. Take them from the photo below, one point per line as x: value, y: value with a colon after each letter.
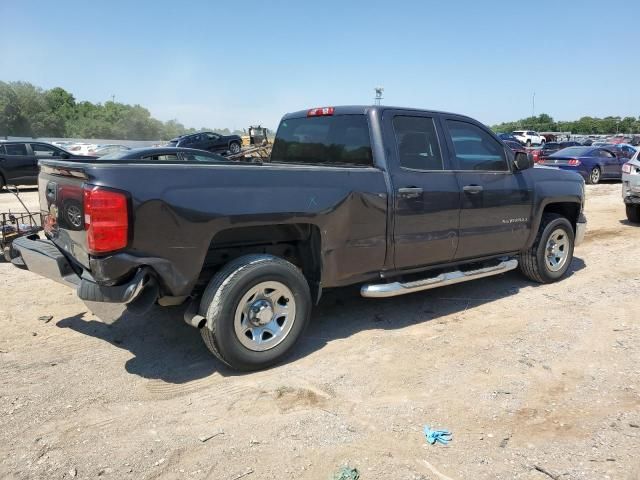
x: 533, y: 105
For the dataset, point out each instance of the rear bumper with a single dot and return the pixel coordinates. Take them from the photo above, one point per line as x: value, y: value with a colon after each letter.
x: 581, y: 230
x: 43, y: 258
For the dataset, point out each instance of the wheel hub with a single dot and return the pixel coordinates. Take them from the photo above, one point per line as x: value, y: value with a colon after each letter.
x: 260, y: 312
x: 557, y: 250
x: 265, y: 315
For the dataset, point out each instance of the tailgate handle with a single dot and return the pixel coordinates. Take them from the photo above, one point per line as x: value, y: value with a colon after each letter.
x: 472, y: 189
x: 410, y: 192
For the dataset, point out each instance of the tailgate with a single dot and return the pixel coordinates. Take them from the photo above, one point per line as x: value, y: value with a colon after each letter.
x: 60, y: 188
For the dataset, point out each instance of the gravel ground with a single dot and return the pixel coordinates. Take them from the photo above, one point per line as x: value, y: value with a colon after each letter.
x: 535, y: 382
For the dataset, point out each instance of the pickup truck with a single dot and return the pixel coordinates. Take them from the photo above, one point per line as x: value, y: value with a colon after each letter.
x: 399, y: 200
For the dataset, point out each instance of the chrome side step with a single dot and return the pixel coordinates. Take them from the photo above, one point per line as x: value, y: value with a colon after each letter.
x: 394, y: 289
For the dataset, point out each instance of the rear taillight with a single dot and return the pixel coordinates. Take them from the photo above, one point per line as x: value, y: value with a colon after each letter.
x: 106, y: 219
x: 626, y: 168
x: 574, y: 162
x: 320, y: 112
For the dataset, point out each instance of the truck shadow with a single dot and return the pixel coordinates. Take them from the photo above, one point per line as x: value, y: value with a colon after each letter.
x: 165, y: 348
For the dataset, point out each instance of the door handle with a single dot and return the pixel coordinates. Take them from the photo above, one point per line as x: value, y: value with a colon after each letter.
x: 410, y: 192
x: 472, y: 189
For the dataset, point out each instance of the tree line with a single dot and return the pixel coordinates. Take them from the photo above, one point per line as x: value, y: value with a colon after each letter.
x: 585, y: 125
x: 30, y: 111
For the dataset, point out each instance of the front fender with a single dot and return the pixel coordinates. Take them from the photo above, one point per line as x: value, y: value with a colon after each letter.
x: 551, y: 192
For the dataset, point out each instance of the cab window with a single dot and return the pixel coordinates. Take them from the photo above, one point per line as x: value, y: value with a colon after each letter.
x: 475, y: 149
x: 417, y: 142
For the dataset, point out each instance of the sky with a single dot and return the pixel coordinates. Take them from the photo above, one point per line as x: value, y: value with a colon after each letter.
x: 231, y: 64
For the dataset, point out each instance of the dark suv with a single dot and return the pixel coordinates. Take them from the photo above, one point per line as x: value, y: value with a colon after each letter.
x: 19, y: 160
x: 212, y: 142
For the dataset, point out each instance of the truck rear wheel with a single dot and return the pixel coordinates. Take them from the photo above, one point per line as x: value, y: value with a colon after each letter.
x: 633, y: 213
x: 552, y: 251
x: 256, y: 309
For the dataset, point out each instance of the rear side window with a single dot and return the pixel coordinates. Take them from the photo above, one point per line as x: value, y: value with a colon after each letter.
x: 43, y: 150
x: 330, y: 140
x: 202, y: 157
x: 417, y: 143
x: 16, y: 149
x: 475, y: 149
x: 170, y: 157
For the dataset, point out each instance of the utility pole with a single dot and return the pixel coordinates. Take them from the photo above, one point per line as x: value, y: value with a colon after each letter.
x: 533, y: 105
x: 113, y: 98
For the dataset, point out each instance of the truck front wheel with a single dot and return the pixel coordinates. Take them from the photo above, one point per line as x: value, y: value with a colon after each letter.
x: 256, y: 309
x: 633, y: 213
x: 552, y: 251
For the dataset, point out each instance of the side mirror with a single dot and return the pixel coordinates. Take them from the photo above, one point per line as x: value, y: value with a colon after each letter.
x: 522, y: 161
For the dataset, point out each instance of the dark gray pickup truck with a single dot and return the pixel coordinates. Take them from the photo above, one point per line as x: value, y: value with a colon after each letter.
x: 398, y: 200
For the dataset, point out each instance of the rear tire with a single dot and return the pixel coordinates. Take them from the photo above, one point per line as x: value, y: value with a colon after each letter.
x: 251, y: 331
x: 595, y: 175
x: 633, y: 213
x: 552, y: 251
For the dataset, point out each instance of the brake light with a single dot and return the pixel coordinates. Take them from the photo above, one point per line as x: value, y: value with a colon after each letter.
x: 574, y: 162
x: 321, y: 112
x: 626, y: 168
x: 106, y: 219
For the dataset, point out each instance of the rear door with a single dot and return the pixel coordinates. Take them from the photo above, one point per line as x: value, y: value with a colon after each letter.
x: 19, y: 165
x: 426, y: 194
x: 496, y: 203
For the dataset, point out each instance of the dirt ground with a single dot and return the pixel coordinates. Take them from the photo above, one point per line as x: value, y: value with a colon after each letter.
x: 535, y: 382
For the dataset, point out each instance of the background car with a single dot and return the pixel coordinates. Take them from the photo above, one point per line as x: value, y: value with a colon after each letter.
x: 631, y: 187
x: 515, y: 146
x: 593, y: 163
x: 508, y: 136
x: 212, y: 142
x: 102, y: 150
x: 19, y: 160
x: 81, y: 148
x: 529, y: 137
x: 550, y: 148
x: 166, y: 154
x: 619, y: 138
x: 622, y: 150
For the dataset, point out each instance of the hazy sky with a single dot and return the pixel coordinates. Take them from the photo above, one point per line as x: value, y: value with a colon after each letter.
x: 231, y: 64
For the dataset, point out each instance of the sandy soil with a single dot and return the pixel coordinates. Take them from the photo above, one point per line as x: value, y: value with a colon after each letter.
x: 530, y: 379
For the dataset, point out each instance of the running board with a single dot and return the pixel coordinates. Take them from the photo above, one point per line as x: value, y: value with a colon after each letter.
x: 383, y: 290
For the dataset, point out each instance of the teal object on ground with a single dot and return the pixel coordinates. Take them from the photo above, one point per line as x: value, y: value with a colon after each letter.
x: 440, y: 436
x: 346, y: 473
